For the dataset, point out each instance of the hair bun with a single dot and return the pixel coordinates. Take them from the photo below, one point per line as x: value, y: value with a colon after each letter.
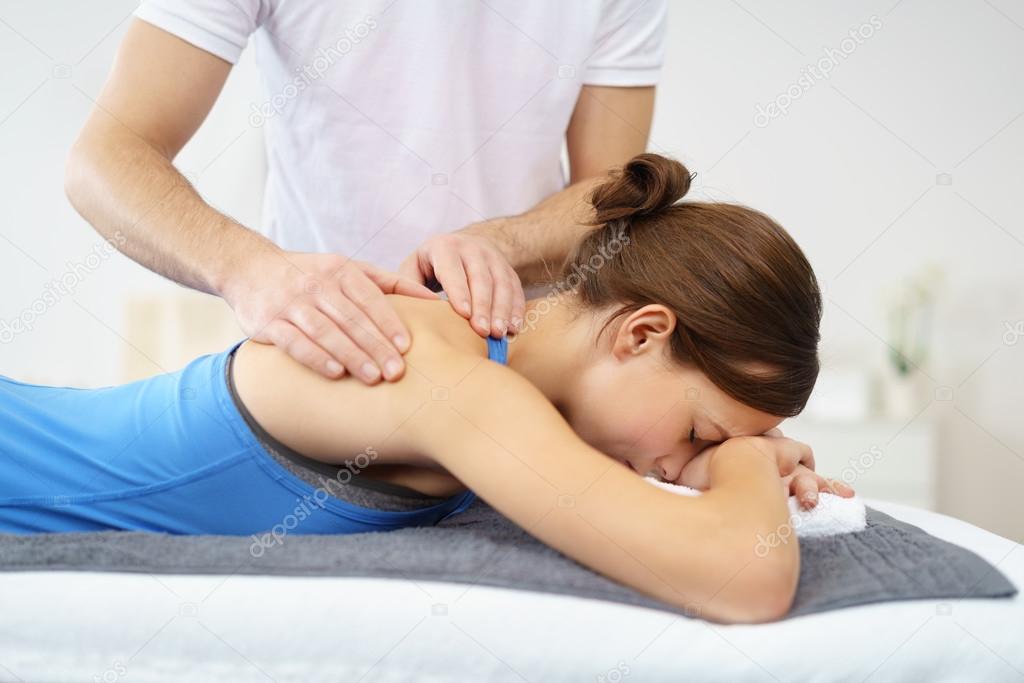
x: 648, y: 183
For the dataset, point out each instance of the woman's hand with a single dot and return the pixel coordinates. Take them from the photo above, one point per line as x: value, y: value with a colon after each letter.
x: 805, y: 484
x: 794, y: 459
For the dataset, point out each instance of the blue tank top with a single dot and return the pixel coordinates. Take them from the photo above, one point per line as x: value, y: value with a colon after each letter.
x: 171, y: 454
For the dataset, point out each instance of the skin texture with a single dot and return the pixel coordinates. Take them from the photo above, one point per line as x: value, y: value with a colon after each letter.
x: 546, y: 440
x: 326, y: 311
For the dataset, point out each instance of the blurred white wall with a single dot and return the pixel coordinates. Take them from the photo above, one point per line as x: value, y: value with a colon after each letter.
x: 906, y: 153
x: 56, y: 57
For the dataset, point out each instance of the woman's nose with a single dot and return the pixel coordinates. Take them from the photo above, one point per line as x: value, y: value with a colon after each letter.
x: 670, y: 465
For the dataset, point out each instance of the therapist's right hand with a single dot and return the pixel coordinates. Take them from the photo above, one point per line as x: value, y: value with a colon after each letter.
x: 326, y: 311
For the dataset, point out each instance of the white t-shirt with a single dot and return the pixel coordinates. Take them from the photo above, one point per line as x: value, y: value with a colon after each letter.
x: 387, y: 122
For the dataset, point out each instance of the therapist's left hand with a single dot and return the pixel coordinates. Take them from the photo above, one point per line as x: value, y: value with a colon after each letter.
x: 482, y: 286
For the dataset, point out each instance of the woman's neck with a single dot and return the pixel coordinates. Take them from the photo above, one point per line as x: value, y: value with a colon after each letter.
x: 547, y: 351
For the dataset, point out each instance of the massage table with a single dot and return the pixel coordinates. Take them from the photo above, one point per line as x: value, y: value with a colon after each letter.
x: 152, y: 626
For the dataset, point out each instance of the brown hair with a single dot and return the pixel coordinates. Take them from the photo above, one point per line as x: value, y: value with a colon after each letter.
x: 742, y: 290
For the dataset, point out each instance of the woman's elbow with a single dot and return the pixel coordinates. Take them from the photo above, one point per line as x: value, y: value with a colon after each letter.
x: 750, y: 589
x: 771, y: 598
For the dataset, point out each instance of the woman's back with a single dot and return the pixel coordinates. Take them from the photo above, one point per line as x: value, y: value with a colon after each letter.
x: 333, y: 420
x: 187, y: 452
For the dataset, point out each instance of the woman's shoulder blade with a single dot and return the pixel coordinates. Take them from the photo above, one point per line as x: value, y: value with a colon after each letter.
x: 325, y: 419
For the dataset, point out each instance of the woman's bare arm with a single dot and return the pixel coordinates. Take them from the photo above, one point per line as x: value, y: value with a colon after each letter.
x: 499, y: 435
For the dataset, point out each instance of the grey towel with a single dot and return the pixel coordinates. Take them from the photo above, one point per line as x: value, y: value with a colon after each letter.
x: 889, y: 560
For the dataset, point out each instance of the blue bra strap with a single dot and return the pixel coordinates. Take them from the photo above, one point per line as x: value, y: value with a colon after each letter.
x: 497, y: 349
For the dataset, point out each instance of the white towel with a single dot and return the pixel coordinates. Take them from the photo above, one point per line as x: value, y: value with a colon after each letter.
x: 832, y: 515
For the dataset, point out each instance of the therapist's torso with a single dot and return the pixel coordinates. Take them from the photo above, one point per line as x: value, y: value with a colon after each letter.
x: 387, y: 122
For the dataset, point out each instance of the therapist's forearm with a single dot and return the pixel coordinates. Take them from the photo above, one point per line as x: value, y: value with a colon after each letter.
x: 133, y: 195
x: 537, y: 242
x: 609, y: 126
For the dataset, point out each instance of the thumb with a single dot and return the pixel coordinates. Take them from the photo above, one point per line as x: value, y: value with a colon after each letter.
x: 394, y: 283
x: 410, y: 269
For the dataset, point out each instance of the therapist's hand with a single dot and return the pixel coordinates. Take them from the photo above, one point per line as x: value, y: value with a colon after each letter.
x: 481, y: 284
x: 326, y: 311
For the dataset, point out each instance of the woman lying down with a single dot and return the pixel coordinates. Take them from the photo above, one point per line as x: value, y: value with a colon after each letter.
x: 680, y: 336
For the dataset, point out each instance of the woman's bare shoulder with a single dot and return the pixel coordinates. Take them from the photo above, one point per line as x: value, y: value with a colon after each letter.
x: 435, y: 320
x: 331, y: 419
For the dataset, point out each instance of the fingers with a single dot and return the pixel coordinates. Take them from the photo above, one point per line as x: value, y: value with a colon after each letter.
x: 503, y: 298
x: 505, y: 281
x: 368, y: 356
x: 481, y: 285
x: 509, y: 300
x: 399, y: 283
x: 807, y: 457
x: 792, y: 448
x: 805, y: 488
x: 795, y: 453
x: 788, y: 460
x: 361, y: 310
x: 481, y: 289
x: 448, y: 271
x: 296, y: 344
x: 496, y: 294
x: 412, y: 288
x: 409, y: 269
x: 324, y: 331
x: 331, y: 314
x: 518, y: 304
x: 835, y: 487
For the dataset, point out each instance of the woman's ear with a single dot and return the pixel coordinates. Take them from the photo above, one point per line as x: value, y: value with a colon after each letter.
x: 645, y: 330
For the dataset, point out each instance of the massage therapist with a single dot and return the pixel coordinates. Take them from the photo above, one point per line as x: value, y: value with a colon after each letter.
x: 408, y: 143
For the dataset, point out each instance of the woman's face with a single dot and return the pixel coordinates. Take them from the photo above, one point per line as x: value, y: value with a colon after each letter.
x: 647, y: 412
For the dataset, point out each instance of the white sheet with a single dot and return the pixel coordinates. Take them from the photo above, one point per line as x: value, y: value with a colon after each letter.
x: 59, y: 626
